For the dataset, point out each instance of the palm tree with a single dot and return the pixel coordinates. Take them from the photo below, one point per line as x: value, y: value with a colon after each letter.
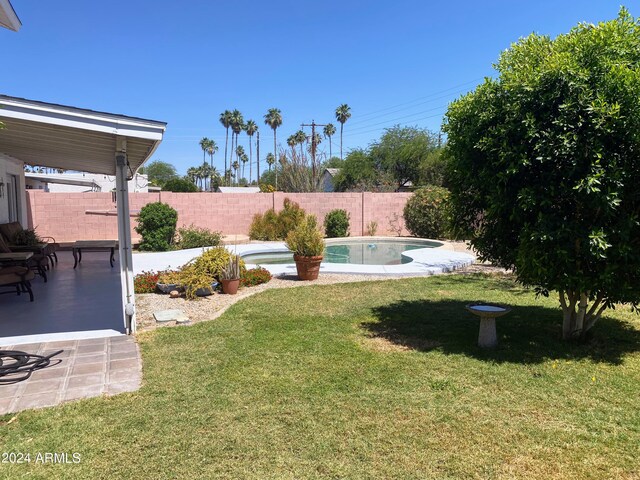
x: 300, y: 137
x: 292, y: 142
x: 225, y: 120
x: 329, y: 131
x: 212, y: 148
x: 204, y: 145
x: 237, y: 126
x: 343, y: 113
x: 239, y: 154
x: 251, y: 127
x: 270, y: 160
x: 192, y: 174
x: 235, y: 165
x: 273, y: 118
x: 244, y: 159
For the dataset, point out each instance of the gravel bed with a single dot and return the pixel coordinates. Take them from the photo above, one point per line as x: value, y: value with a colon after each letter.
x: 211, y: 307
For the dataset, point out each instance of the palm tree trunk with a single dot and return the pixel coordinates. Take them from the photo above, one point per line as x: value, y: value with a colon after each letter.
x: 250, y: 160
x: 341, y: 127
x: 275, y: 157
x: 258, y: 156
x: 330, y: 154
x: 226, y: 141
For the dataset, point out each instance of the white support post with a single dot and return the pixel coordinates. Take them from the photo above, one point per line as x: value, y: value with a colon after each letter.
x: 124, y: 235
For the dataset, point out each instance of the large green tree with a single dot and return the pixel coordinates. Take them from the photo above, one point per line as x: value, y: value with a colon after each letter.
x: 403, y: 152
x: 159, y: 172
x: 545, y: 168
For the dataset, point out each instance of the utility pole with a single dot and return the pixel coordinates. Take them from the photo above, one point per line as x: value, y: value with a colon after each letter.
x: 313, y: 126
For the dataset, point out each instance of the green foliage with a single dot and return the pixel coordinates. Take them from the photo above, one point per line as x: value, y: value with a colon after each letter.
x: 276, y: 226
x: 196, y: 237
x: 169, y: 277
x: 255, y: 276
x: 426, y: 213
x: 26, y: 237
x: 157, y: 226
x: 336, y: 223
x: 159, y: 172
x: 145, y: 282
x: 306, y: 239
x: 402, y: 152
x: 372, y: 228
x: 544, y: 167
x: 180, y: 185
x: 204, y: 270
x: 433, y: 169
x: 267, y: 188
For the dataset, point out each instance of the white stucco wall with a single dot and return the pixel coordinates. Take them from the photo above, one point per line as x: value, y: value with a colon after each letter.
x: 139, y: 183
x: 12, y: 166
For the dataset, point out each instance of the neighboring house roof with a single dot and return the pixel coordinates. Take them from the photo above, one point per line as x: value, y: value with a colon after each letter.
x: 238, y: 190
x: 332, y: 171
x: 43, y: 177
x: 8, y: 17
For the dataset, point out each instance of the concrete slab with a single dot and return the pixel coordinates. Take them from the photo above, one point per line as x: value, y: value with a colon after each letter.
x: 87, y: 368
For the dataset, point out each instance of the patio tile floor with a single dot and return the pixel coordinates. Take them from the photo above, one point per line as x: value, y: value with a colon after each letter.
x: 86, y: 368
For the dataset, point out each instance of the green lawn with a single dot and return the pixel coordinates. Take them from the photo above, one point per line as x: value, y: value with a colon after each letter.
x: 367, y: 380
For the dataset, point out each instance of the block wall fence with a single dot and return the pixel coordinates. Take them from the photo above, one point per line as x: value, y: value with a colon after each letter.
x: 92, y: 216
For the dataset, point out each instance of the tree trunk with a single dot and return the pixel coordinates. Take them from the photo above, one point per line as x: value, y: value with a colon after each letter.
x: 578, y: 318
x: 258, y: 156
x: 275, y: 157
x: 226, y: 142
x: 330, y: 155
x: 341, y: 127
x: 250, y: 160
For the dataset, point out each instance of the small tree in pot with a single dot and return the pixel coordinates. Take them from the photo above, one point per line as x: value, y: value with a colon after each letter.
x: 307, y: 244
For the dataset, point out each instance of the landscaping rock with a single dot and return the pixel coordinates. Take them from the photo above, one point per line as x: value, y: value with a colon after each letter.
x: 164, y: 316
x: 174, y: 294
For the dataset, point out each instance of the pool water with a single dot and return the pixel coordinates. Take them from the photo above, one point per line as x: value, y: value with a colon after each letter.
x: 361, y: 253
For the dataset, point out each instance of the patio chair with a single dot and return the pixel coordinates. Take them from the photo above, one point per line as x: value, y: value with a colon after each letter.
x: 39, y: 262
x: 18, y: 279
x: 11, y: 229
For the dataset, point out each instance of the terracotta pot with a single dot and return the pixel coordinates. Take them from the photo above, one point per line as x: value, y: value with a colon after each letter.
x: 308, y: 267
x: 230, y: 287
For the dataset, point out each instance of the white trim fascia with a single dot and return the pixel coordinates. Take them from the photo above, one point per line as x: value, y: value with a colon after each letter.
x: 68, y: 117
x: 14, y: 21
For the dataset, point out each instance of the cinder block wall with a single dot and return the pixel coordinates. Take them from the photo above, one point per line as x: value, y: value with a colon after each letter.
x: 92, y: 216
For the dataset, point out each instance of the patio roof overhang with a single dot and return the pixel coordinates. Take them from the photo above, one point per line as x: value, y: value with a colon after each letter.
x: 8, y: 17
x: 70, y: 138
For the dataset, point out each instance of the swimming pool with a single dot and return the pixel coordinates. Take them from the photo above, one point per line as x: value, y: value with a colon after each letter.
x: 371, y: 252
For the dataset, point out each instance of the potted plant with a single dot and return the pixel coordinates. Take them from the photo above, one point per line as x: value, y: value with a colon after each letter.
x: 230, y: 276
x: 307, y: 244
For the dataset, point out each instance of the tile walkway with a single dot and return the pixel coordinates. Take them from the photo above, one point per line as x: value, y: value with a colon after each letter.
x: 87, y: 368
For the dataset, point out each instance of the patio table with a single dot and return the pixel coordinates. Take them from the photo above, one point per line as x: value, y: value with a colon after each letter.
x: 15, y: 257
x: 93, y: 246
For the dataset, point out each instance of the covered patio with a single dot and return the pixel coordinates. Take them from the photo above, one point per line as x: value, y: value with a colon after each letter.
x: 93, y: 300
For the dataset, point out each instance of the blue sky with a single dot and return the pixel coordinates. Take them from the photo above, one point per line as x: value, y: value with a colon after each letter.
x: 393, y: 62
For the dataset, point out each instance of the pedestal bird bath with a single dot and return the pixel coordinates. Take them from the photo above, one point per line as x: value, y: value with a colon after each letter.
x: 488, y: 312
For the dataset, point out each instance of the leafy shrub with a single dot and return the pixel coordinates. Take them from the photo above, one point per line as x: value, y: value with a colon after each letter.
x: 196, y: 237
x: 255, y: 276
x: 27, y: 237
x: 267, y: 188
x: 289, y: 218
x: 145, y: 282
x: 157, y: 226
x: 204, y: 270
x: 426, y: 213
x: 336, y: 223
x: 169, y: 277
x: 276, y: 226
x: 264, y: 226
x: 306, y: 239
x: 180, y: 185
x: 372, y: 228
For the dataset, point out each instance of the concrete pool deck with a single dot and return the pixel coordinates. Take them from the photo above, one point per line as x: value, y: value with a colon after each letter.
x: 426, y: 261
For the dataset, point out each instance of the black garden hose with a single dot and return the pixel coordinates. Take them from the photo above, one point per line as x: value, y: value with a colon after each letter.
x: 16, y: 366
